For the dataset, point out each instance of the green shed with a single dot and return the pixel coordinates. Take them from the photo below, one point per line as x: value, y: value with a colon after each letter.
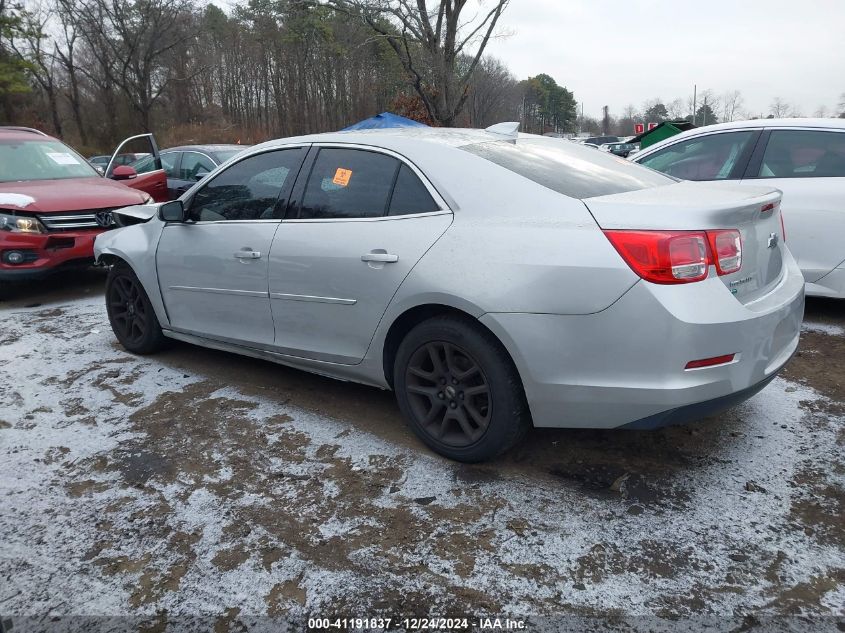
x: 662, y: 131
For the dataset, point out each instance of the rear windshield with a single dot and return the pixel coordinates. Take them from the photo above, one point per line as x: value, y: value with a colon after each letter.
x: 225, y: 154
x: 41, y: 160
x: 570, y: 169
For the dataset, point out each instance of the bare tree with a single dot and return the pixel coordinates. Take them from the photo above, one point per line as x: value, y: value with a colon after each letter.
x: 842, y: 105
x: 66, y: 54
x: 430, y: 43
x: 732, y: 103
x: 676, y: 109
x: 34, y: 48
x: 779, y: 108
x: 493, y: 94
x: 131, y: 40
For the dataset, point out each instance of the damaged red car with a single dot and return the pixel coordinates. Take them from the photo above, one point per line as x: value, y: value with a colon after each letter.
x: 53, y: 203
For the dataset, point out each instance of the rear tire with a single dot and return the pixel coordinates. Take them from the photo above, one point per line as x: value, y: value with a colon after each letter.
x: 459, y: 390
x: 131, y: 314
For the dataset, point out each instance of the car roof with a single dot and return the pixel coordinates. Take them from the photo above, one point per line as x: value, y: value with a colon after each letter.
x: 751, y: 124
x: 219, y: 147
x: 759, y: 123
x: 16, y: 133
x: 391, y: 137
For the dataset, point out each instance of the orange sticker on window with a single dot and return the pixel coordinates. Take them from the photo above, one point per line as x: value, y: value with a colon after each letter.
x: 342, y: 176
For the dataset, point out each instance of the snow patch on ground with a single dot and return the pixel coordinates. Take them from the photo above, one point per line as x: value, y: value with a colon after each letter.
x: 107, y: 511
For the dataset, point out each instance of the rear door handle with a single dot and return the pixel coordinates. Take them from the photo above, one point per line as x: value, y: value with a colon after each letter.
x: 385, y: 258
x: 247, y: 254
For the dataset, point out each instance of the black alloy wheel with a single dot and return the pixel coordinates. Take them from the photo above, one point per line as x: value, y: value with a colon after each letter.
x: 459, y: 389
x: 448, y: 393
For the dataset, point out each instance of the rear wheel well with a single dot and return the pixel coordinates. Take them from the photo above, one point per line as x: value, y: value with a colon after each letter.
x: 409, y: 319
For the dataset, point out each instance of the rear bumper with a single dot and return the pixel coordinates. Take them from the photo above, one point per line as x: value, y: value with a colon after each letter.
x: 49, y: 253
x: 699, y: 410
x: 625, y: 366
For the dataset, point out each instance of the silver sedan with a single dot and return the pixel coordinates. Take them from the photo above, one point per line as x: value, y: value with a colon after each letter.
x: 493, y: 280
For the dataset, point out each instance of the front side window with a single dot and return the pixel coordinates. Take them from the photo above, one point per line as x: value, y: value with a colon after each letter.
x: 349, y: 183
x: 568, y: 168
x: 169, y: 161
x: 804, y: 154
x: 195, y: 166
x: 711, y: 157
x: 247, y: 190
x: 39, y: 159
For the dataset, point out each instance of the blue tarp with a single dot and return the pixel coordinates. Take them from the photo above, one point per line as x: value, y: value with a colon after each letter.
x: 385, y: 119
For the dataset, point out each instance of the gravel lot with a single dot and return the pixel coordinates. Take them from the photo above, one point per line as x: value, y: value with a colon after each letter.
x: 197, y: 483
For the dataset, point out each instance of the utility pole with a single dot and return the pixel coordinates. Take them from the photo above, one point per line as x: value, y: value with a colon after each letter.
x: 694, y: 95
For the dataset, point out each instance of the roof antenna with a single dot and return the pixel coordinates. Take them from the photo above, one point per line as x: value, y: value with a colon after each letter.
x: 511, y: 128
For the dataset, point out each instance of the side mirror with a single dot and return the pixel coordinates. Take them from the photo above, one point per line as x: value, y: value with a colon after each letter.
x: 173, y: 211
x: 123, y: 172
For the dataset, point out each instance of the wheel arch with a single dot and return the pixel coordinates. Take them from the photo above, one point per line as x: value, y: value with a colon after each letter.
x: 415, y: 315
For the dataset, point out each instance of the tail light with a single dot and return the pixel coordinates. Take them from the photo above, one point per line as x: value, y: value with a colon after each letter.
x: 678, y: 257
x: 782, y: 227
x: 727, y: 249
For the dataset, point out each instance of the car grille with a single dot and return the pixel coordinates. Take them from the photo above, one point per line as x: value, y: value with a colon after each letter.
x: 93, y: 219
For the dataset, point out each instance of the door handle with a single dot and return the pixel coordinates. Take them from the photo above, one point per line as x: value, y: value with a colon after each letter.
x: 385, y: 258
x: 247, y: 254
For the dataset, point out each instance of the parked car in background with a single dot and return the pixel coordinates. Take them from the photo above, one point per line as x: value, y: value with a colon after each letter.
x: 599, y: 140
x: 804, y: 158
x: 53, y: 204
x: 490, y: 279
x: 101, y: 162
x: 618, y: 149
x: 188, y: 164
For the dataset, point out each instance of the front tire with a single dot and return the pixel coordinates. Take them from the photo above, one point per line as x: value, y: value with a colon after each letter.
x: 131, y: 314
x: 459, y: 390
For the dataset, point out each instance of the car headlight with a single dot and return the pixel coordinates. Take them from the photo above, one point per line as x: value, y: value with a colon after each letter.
x: 19, y: 224
x: 148, y: 199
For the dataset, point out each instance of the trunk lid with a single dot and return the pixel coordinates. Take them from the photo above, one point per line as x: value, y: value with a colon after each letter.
x: 697, y: 206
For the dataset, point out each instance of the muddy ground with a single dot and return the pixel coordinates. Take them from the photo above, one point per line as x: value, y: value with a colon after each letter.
x: 198, y: 483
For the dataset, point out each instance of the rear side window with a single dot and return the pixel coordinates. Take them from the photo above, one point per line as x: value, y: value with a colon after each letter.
x: 195, y: 166
x: 711, y: 157
x: 169, y: 162
x: 410, y: 195
x: 804, y: 154
x: 349, y: 183
x: 568, y: 168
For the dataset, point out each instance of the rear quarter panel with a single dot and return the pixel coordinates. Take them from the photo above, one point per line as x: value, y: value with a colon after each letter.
x: 514, y: 246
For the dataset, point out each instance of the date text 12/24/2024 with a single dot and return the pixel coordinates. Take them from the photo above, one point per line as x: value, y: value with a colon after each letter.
x: 415, y: 624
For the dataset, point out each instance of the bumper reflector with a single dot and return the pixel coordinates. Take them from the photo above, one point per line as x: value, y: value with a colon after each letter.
x: 709, y: 362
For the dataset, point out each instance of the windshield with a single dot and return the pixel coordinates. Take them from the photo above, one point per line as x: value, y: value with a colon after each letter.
x: 568, y: 168
x: 41, y: 159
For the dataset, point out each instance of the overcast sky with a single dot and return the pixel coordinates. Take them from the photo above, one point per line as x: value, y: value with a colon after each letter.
x: 620, y: 52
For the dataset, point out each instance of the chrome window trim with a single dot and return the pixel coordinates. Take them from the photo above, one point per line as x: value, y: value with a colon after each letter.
x: 381, y: 218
